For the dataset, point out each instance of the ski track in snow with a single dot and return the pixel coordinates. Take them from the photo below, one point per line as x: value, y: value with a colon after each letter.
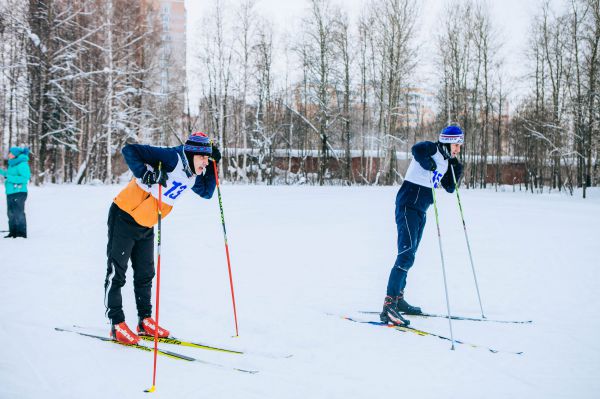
x: 297, y: 254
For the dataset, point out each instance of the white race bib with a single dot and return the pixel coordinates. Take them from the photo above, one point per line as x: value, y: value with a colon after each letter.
x: 177, y: 184
x: 416, y: 174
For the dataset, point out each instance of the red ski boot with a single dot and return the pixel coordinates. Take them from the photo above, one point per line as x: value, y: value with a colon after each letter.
x: 147, y: 326
x: 123, y: 334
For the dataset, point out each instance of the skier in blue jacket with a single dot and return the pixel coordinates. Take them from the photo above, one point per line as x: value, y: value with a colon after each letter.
x: 431, y: 166
x: 17, y: 176
x: 132, y: 217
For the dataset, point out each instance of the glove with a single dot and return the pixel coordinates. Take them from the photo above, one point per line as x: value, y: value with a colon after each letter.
x: 456, y: 166
x: 151, y: 178
x: 428, y: 164
x: 216, y: 154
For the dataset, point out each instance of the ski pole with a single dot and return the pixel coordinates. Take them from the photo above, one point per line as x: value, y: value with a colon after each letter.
x: 437, y: 221
x: 153, y: 388
x: 467, y: 238
x: 226, y: 246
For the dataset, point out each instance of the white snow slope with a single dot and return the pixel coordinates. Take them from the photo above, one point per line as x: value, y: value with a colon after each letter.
x: 297, y: 254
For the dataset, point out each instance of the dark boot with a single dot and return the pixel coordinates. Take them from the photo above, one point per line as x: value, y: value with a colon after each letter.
x: 390, y: 314
x: 404, y: 307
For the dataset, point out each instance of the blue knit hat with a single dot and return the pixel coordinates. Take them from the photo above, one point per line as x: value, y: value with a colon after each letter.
x: 198, y: 143
x: 452, y: 135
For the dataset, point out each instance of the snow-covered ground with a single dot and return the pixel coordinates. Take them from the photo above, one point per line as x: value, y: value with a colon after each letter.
x: 297, y: 254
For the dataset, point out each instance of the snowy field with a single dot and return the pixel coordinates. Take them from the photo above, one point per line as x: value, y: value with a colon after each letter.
x: 297, y: 254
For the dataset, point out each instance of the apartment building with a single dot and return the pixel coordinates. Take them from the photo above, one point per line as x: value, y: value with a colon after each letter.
x: 170, y: 15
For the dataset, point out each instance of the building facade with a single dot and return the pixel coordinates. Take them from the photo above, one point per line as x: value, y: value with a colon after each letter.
x: 168, y: 72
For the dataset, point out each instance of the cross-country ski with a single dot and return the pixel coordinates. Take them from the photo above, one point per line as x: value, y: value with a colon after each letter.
x: 166, y: 353
x: 427, y: 333
x: 455, y: 317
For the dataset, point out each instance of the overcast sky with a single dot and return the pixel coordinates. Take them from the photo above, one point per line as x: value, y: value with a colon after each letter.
x: 511, y: 19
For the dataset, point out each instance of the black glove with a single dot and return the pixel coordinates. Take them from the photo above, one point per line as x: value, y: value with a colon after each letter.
x: 216, y: 154
x: 428, y: 164
x: 456, y: 166
x: 159, y: 177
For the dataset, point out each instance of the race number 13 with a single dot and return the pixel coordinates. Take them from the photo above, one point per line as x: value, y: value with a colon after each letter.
x: 176, y: 186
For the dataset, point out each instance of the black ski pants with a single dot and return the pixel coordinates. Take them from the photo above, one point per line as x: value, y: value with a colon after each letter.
x: 128, y: 240
x: 15, y: 207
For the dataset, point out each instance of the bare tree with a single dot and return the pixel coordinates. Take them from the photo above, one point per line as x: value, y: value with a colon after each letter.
x: 245, y: 38
x: 393, y: 37
x: 591, y: 39
x: 344, y: 50
x: 264, y: 131
x: 217, y: 57
x: 471, y: 88
x: 81, y: 83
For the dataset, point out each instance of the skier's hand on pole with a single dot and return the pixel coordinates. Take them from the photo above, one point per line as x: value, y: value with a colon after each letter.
x: 457, y: 169
x: 216, y: 154
x: 150, y: 178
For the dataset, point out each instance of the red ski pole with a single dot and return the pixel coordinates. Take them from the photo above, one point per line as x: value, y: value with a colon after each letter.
x: 153, y: 388
x: 226, y: 246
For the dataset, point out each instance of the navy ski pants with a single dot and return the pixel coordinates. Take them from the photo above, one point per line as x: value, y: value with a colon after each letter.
x: 410, y: 223
x: 15, y: 209
x: 127, y: 239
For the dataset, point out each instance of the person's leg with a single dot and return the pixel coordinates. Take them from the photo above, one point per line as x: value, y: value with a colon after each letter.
x: 422, y: 222
x: 20, y: 221
x: 401, y: 304
x: 408, y: 222
x: 118, y: 251
x: 142, y: 262
x: 10, y: 212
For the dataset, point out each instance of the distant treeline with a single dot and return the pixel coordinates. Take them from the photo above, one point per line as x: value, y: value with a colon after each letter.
x: 77, y: 84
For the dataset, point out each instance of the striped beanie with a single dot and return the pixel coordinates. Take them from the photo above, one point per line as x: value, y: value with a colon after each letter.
x: 198, y: 143
x: 452, y: 134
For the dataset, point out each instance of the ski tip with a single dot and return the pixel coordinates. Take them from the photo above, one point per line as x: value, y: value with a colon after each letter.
x: 247, y: 371
x: 152, y: 389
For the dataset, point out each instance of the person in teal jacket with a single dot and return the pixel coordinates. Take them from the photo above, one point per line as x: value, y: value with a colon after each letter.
x: 16, y: 179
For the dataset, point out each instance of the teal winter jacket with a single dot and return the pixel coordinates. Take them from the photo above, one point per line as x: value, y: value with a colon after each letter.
x: 18, y: 173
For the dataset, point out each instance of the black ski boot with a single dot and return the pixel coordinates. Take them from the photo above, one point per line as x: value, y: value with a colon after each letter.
x: 390, y: 314
x: 405, y: 307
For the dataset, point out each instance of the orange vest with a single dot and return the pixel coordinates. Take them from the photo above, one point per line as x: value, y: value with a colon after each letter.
x: 140, y: 204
